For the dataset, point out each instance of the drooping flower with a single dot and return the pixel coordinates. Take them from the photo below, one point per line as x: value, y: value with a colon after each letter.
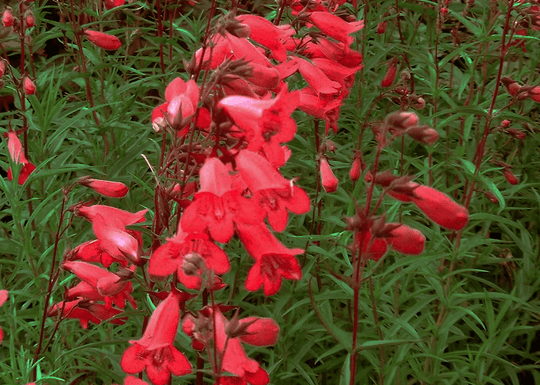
x: 228, y: 337
x: 274, y: 194
x: 105, y: 187
x: 189, y: 255
x: 86, y: 311
x: 335, y: 26
x: 103, y: 40
x: 406, y: 240
x: 273, y: 261
x: 440, y: 208
x: 101, y: 284
x: 218, y: 205
x: 155, y: 352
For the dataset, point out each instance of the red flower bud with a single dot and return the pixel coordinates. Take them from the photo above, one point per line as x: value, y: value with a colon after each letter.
x: 407, y: 240
x: 534, y: 94
x: 518, y: 134
x: 105, y: 187
x: 381, y: 27
x: 505, y: 123
x: 423, y: 134
x: 390, y: 74
x: 103, y: 40
x: 3, y: 67
x: 356, y: 168
x: 329, y: 180
x: 29, y: 86
x: 7, y: 18
x: 440, y: 208
x: 509, y: 176
x: 29, y: 19
x: 402, y: 120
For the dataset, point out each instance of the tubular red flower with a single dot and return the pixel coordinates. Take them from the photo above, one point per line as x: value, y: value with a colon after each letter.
x: 335, y: 26
x: 440, y: 208
x: 267, y: 34
x: 103, y: 40
x: 406, y: 240
x: 155, y: 352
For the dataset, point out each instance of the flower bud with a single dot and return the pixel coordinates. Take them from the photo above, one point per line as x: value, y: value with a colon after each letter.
x: 328, y: 179
x: 423, y: 134
x: 105, y: 187
x: 440, y: 208
x: 29, y: 86
x: 381, y: 27
x: 509, y: 176
x: 7, y: 18
x: 505, y: 123
x: 3, y: 67
x: 103, y: 40
x: 518, y: 134
x: 419, y: 104
x: 407, y: 240
x: 402, y: 120
x: 511, y: 86
x: 29, y: 19
x: 356, y: 168
x: 390, y: 74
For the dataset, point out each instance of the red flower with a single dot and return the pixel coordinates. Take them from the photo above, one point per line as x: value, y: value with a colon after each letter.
x: 3, y: 299
x: 264, y: 123
x: 103, y: 40
x: 28, y: 86
x: 273, y: 261
x: 7, y: 18
x: 390, y: 74
x: 101, y: 284
x: 267, y: 34
x: 91, y: 251
x: 372, y: 248
x: 328, y: 179
x: 110, y: 4
x: 105, y: 187
x: 188, y: 254
x: 406, y: 240
x: 440, y: 208
x: 335, y: 26
x: 217, y: 205
x: 509, y: 176
x: 274, y: 194
x: 86, y: 311
x: 182, y: 98
x: 16, y: 153
x: 316, y: 78
x: 229, y: 335
x: 155, y: 352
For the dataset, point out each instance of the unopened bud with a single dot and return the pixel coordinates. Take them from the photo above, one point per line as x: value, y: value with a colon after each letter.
x: 29, y: 19
x: 402, y: 120
x: 390, y: 74
x: 419, y: 104
x: 7, y: 18
x: 381, y: 27
x: 509, y: 176
x: 518, y: 134
x: 505, y: 123
x: 423, y: 134
x: 28, y: 86
x: 328, y: 179
x: 3, y: 67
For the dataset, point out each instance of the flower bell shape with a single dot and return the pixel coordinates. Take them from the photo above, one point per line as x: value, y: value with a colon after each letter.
x: 267, y: 34
x: 103, y: 40
x: 86, y: 311
x: 273, y: 193
x: 440, y: 208
x: 189, y: 255
x: 335, y: 26
x: 273, y: 261
x: 265, y: 123
x: 406, y: 240
x: 218, y: 205
x: 155, y: 352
